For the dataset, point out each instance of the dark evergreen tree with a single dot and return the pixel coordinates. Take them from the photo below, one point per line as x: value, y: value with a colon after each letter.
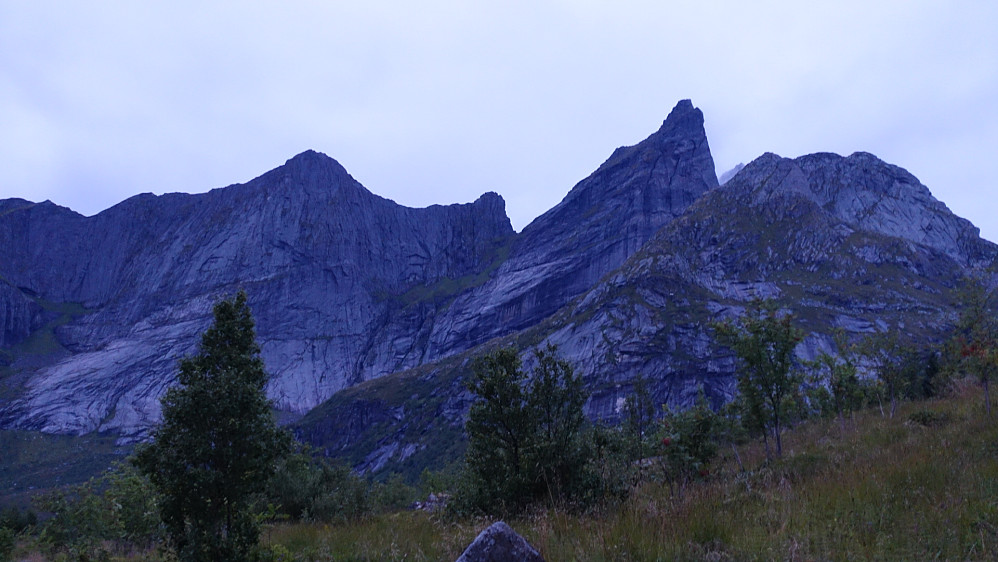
x: 218, y: 442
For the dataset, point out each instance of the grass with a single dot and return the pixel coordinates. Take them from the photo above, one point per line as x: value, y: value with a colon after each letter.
x: 920, y: 486
x: 35, y: 461
x: 882, y: 489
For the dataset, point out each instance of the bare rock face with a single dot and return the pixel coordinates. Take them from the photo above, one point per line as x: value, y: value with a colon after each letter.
x: 500, y: 543
x: 329, y: 268
x: 602, y: 221
x: 872, y: 195
x: 345, y: 286
x: 17, y: 315
x: 872, y: 251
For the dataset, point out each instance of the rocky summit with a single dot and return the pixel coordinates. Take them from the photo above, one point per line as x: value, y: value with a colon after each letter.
x: 98, y: 311
x: 345, y: 286
x: 849, y: 243
x: 368, y: 312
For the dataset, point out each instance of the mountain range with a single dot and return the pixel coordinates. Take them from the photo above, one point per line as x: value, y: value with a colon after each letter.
x: 368, y: 312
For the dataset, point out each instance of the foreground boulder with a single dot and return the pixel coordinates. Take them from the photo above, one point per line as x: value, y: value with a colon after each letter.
x: 500, y: 543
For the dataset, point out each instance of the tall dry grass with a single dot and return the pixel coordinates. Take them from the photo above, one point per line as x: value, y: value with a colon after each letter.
x: 920, y: 486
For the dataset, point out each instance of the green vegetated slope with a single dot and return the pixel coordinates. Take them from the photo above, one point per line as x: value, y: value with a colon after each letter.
x: 35, y: 461
x: 920, y: 486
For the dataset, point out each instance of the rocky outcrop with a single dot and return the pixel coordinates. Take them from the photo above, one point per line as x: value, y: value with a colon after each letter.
x: 869, y: 194
x: 602, y: 221
x: 773, y: 231
x: 329, y: 267
x: 345, y: 286
x: 18, y: 314
x: 500, y: 543
x: 730, y: 173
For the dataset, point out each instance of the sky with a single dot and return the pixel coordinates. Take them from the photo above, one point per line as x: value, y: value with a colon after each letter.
x: 437, y: 102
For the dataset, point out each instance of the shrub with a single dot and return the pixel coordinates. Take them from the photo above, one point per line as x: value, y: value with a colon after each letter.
x: 314, y: 489
x: 688, y: 442
x: 7, y: 543
x: 17, y: 520
x: 119, y: 507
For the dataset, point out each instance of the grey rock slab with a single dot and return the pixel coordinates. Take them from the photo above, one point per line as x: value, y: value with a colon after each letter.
x: 500, y: 543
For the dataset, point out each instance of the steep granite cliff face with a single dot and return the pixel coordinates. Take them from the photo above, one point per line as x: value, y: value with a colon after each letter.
x: 345, y: 286
x: 602, y: 221
x: 323, y: 260
x: 841, y: 242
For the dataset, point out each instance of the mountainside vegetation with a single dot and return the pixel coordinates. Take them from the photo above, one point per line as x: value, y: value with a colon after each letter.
x: 922, y: 484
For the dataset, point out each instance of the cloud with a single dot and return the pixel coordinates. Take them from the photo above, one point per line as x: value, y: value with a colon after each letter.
x: 436, y: 102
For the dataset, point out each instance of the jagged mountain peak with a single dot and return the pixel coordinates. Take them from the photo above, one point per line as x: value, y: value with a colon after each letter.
x: 684, y: 116
x: 602, y: 221
x: 867, y: 194
x: 310, y: 171
x: 312, y: 159
x: 661, y: 175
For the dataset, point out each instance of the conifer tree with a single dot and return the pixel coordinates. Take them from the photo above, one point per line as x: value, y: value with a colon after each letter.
x: 218, y: 442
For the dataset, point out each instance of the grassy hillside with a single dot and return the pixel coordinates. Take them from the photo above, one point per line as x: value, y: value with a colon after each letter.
x: 33, y: 461
x: 920, y: 486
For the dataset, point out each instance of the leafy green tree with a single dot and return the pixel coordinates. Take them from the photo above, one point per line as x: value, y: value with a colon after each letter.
x: 526, y: 435
x: 888, y: 355
x: 638, y: 419
x: 837, y: 374
x: 764, y: 341
x: 218, y: 442
x: 118, y: 508
x: 976, y: 335
x: 499, y: 429
x: 314, y: 489
x: 558, y: 456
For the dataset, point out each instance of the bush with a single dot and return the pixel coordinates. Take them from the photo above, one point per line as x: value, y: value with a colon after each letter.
x: 119, y: 507
x: 7, y: 543
x: 393, y: 494
x: 17, y: 520
x: 927, y: 418
x: 688, y: 441
x: 311, y: 489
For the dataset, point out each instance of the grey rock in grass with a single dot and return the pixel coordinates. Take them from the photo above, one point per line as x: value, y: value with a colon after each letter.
x: 500, y: 543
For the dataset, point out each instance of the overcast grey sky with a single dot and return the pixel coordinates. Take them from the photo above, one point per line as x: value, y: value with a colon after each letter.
x: 437, y: 102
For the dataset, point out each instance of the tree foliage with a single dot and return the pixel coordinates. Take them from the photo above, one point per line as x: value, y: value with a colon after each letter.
x: 688, y: 441
x: 305, y: 488
x: 976, y: 335
x: 118, y: 508
x: 638, y: 420
x: 891, y: 359
x: 764, y: 341
x: 526, y: 435
x: 839, y: 390
x: 218, y: 442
